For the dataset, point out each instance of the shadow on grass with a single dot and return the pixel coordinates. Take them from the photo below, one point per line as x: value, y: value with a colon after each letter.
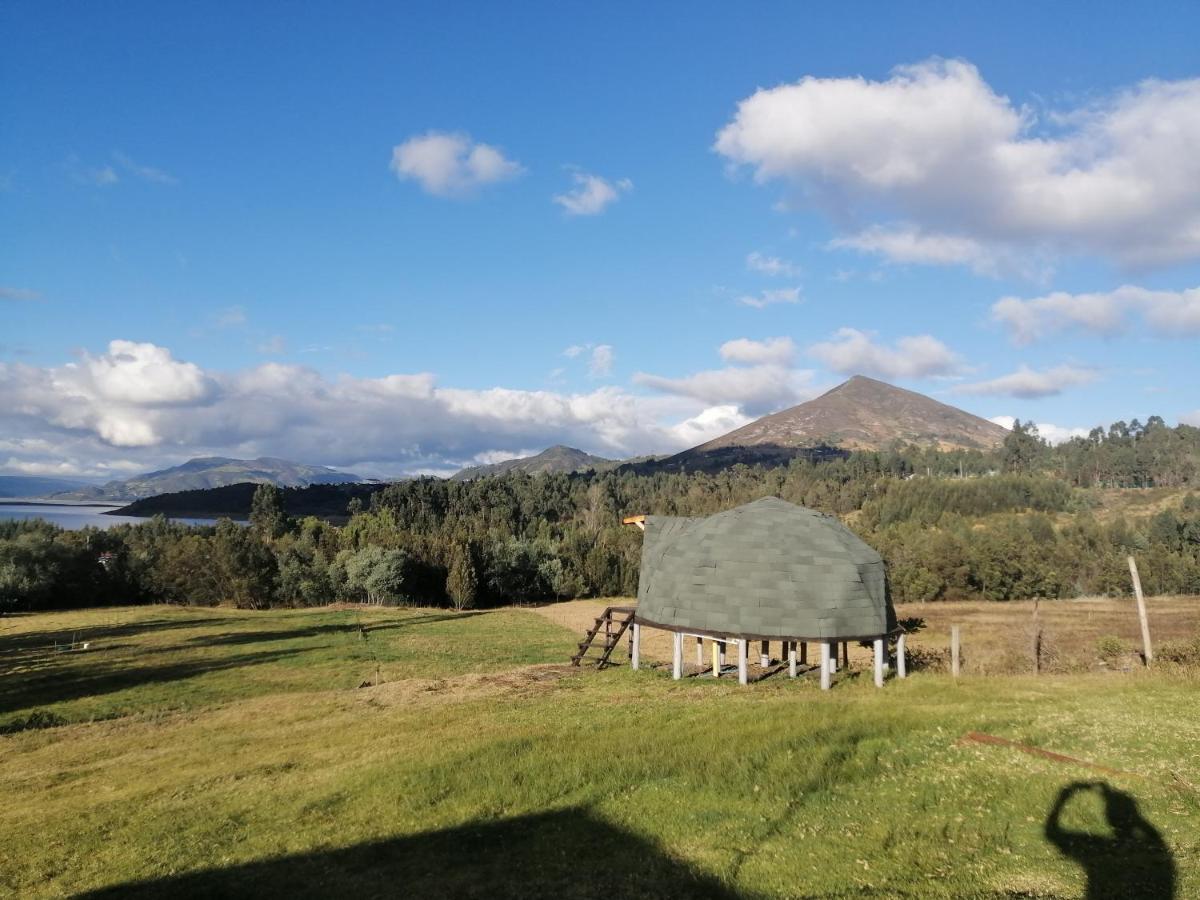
x: 567, y: 854
x: 39, y: 640
x: 98, y: 677
x: 233, y: 638
x: 1134, y: 861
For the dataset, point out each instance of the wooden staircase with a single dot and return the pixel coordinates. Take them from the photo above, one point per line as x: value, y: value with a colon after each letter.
x: 610, y: 626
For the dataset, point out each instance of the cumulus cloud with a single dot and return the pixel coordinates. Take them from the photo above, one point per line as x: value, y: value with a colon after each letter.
x: 1191, y: 418
x: 120, y: 396
x: 1168, y: 313
x: 591, y: 194
x: 779, y: 351
x: 854, y: 352
x: 450, y: 164
x: 953, y: 172
x: 770, y: 297
x: 754, y: 389
x: 1028, y: 383
x: 1055, y: 434
x: 710, y: 423
x: 771, y: 265
x: 136, y: 405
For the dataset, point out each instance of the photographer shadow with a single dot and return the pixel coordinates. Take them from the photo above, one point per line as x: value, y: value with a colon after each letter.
x: 1133, y: 862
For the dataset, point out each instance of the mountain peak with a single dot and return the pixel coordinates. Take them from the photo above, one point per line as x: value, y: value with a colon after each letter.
x: 559, y: 458
x: 864, y: 413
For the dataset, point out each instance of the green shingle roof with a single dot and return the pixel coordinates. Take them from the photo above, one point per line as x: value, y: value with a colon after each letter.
x: 768, y: 569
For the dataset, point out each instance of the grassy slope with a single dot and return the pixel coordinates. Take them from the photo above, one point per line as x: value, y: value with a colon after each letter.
x: 247, y: 760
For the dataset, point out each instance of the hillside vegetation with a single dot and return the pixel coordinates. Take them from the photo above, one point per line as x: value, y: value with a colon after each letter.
x: 1025, y: 521
x: 354, y: 752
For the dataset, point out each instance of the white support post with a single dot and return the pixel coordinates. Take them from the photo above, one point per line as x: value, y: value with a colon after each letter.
x: 677, y: 667
x: 716, y: 652
x: 831, y: 656
x: 743, y: 652
x: 878, y: 662
x: 700, y: 652
x: 635, y: 656
x: 765, y: 657
x: 791, y: 645
x: 723, y: 643
x: 901, y: 662
x: 825, y: 673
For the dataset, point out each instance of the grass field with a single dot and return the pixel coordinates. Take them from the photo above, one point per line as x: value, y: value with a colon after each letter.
x: 423, y: 753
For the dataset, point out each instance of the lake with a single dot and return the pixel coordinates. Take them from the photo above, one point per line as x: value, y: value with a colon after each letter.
x: 74, y: 516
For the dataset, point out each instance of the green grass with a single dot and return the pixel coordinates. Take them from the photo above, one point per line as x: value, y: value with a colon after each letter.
x: 234, y: 753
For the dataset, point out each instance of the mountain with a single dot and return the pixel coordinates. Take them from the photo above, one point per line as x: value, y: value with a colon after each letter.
x: 859, y: 414
x: 554, y: 459
x: 327, y: 501
x: 36, y: 486
x: 210, y: 472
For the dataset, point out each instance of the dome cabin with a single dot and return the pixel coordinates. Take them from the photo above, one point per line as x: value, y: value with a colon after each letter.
x: 766, y: 571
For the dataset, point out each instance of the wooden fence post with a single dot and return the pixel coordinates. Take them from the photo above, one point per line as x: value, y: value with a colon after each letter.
x: 1037, y: 637
x: 954, y: 643
x: 1141, y: 606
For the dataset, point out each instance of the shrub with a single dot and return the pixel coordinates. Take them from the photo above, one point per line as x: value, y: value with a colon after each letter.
x: 1110, y: 647
x: 1185, y: 653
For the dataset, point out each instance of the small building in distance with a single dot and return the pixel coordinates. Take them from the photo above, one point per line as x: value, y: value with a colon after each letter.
x: 766, y: 571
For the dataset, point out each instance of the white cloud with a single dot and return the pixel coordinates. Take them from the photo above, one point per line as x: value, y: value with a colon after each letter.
x: 574, y: 350
x: 771, y: 297
x: 1028, y: 383
x: 601, y: 362
x: 1055, y: 434
x: 1192, y: 418
x: 771, y: 265
x: 960, y: 173
x: 710, y: 423
x: 451, y: 164
x: 853, y: 352
x: 779, y: 351
x: 18, y: 294
x: 146, y: 173
x: 159, y: 410
x: 1168, y: 313
x: 120, y: 396
x: 755, y: 390
x: 591, y: 194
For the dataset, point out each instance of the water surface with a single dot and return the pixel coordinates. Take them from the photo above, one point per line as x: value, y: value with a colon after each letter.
x: 74, y: 516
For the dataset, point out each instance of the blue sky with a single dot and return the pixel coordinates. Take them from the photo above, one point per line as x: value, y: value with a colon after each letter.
x: 330, y: 232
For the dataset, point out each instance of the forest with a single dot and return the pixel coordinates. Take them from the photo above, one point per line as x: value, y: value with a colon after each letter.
x: 1018, y: 522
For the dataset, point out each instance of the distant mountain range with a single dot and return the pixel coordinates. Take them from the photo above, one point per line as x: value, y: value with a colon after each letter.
x: 553, y: 459
x: 16, y: 486
x: 861, y: 414
x: 211, y: 472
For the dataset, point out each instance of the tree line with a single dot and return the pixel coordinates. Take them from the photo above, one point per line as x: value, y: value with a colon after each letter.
x: 1005, y: 524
